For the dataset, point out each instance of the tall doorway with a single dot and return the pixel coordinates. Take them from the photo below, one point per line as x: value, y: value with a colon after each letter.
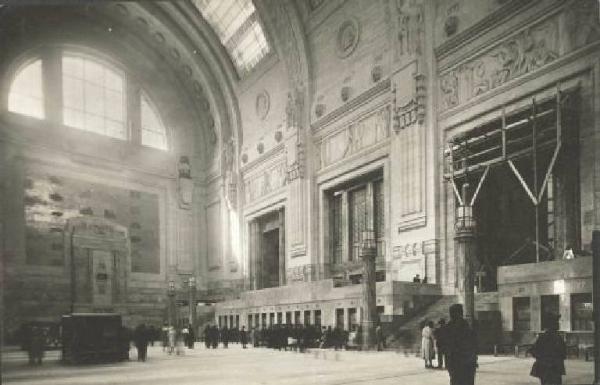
x: 267, y: 250
x: 270, y: 258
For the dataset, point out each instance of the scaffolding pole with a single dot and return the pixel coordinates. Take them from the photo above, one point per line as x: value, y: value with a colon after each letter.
x: 535, y: 181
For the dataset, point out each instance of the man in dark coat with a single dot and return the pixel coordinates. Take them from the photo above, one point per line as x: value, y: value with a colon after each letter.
x: 191, y: 337
x: 140, y: 337
x: 379, y: 338
x: 243, y: 337
x: 461, y: 348
x: 440, y: 343
x: 214, y: 337
x: 550, y: 353
x: 225, y: 336
x: 207, y: 334
x: 36, y: 345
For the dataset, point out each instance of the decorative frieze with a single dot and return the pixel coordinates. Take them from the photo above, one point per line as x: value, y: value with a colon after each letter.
x: 408, y: 251
x: 265, y: 182
x: 422, y: 255
x: 302, y: 273
x: 355, y: 137
x: 522, y: 53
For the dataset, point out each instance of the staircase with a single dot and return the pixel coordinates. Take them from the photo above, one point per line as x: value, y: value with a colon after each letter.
x: 408, y: 335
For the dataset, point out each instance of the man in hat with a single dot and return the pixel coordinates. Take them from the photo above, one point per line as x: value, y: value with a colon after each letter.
x: 440, y: 343
x: 460, y: 344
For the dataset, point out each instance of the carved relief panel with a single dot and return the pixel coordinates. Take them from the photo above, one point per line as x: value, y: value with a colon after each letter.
x: 355, y: 137
x: 264, y: 182
x: 524, y: 52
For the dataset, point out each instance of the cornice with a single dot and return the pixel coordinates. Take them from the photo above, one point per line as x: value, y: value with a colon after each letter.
x: 265, y: 158
x: 352, y: 105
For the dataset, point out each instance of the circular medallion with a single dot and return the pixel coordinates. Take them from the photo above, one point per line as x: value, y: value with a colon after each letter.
x: 347, y: 37
x: 263, y: 104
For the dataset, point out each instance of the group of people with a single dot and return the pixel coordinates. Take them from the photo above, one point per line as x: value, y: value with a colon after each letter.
x: 455, y: 343
x: 296, y: 337
x: 213, y: 336
x: 175, y: 338
x: 299, y: 337
x: 417, y: 279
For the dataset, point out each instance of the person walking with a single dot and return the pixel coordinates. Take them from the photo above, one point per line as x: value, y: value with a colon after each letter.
x: 460, y: 343
x: 427, y: 351
x: 438, y: 335
x: 550, y: 352
x: 140, y: 338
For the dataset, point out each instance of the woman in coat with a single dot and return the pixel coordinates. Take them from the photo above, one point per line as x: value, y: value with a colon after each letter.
x: 550, y: 352
x: 427, y: 350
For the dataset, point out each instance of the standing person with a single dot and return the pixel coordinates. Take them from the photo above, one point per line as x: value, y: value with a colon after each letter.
x: 427, y: 344
x: 253, y: 336
x: 243, y: 337
x: 214, y: 337
x: 36, y: 345
x: 438, y: 335
x: 207, y: 333
x: 140, y: 338
x: 461, y: 348
x: 191, y: 337
x: 550, y: 353
x: 185, y: 335
x: 180, y: 338
x: 165, y: 336
x: 380, y: 338
x: 225, y: 336
x: 171, y: 336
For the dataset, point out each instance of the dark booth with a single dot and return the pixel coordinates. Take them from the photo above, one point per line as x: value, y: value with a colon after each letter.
x: 94, y: 337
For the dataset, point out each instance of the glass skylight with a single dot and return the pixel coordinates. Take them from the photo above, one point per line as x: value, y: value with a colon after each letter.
x: 237, y: 25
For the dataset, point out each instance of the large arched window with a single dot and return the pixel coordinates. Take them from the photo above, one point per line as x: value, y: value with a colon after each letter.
x: 93, y: 97
x: 26, y: 95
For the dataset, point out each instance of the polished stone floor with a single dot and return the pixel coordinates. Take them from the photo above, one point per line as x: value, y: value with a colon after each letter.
x: 262, y: 366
